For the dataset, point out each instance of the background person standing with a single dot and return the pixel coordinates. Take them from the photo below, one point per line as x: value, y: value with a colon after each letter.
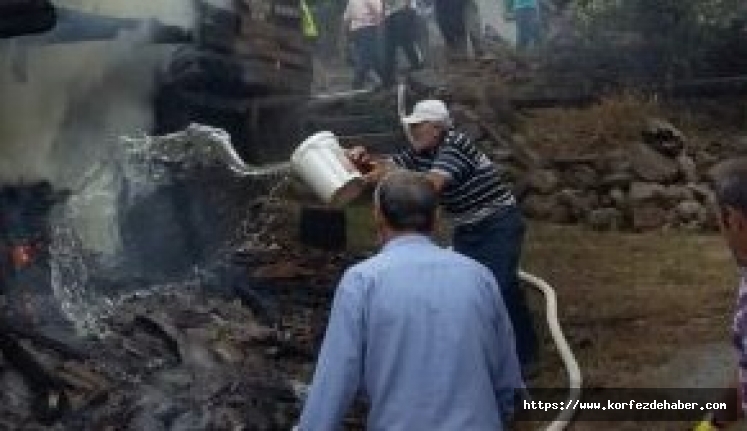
x: 400, y: 30
x: 528, y: 27
x: 362, y: 18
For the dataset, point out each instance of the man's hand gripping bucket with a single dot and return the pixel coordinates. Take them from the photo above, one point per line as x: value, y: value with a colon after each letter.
x: 321, y: 163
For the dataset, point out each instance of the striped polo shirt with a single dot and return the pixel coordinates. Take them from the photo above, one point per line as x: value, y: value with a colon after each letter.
x: 473, y: 189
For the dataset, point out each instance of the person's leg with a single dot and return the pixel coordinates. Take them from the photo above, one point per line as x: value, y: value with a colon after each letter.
x: 370, y: 51
x: 535, y: 28
x: 473, y: 29
x: 408, y: 32
x: 390, y: 51
x: 497, y: 243
x: 450, y: 20
x: 359, y: 54
x: 523, y: 27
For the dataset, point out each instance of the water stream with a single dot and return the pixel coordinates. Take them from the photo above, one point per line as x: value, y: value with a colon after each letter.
x: 91, y: 216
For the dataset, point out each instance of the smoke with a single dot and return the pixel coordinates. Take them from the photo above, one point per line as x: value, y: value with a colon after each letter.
x: 63, y: 106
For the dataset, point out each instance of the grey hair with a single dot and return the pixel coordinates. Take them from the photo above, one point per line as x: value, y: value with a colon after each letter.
x: 730, y: 184
x: 407, y: 201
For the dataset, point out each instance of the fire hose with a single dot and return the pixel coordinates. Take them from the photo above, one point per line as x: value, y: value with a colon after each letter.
x: 566, y: 354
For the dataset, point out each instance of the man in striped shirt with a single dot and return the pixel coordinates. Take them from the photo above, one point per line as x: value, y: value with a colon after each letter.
x: 488, y: 225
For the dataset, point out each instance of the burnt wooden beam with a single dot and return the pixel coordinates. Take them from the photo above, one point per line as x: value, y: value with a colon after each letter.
x: 10, y: 330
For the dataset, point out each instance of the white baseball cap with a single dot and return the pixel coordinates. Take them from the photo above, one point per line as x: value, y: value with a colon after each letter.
x: 429, y: 110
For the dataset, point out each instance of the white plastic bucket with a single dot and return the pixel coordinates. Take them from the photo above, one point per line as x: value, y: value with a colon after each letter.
x: 321, y: 163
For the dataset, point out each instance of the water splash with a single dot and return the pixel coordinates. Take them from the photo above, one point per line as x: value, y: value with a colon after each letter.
x: 254, y: 232
x: 70, y: 276
x: 141, y: 166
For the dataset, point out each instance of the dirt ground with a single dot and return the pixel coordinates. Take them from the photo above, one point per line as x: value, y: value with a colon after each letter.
x: 639, y: 310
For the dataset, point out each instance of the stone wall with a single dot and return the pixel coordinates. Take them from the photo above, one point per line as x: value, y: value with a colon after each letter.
x: 658, y: 182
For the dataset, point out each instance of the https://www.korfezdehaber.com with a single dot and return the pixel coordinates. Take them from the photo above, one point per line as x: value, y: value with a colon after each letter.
x: 608, y: 405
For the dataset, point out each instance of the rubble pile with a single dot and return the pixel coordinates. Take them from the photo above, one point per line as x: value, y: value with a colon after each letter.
x: 225, y: 352
x: 226, y: 340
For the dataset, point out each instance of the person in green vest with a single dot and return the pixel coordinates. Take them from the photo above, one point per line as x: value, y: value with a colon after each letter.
x: 308, y: 23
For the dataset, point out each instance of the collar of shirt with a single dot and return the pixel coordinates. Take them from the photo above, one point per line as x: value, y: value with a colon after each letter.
x: 406, y: 239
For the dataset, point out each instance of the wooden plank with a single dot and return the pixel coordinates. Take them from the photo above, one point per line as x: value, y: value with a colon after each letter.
x: 269, y: 50
x: 291, y: 38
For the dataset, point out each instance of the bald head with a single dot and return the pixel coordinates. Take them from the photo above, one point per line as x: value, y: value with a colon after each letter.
x: 407, y: 201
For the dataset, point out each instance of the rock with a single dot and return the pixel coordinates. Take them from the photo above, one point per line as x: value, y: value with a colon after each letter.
x: 539, y: 207
x: 704, y: 159
x: 687, y: 167
x: 581, y: 176
x: 675, y: 194
x: 652, y: 166
x: 578, y: 202
x: 703, y: 193
x: 663, y: 137
x: 527, y: 157
x: 617, y: 179
x: 739, y: 146
x: 649, y: 217
x: 604, y: 219
x: 542, y: 181
x: 691, y: 211
x: 619, y: 199
x: 617, y: 161
x: 644, y: 192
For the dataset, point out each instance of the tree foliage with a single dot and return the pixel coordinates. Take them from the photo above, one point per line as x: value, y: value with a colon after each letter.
x: 664, y: 39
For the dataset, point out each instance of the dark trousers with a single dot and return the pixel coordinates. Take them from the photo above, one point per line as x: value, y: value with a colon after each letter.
x: 527, y: 27
x: 450, y: 19
x: 496, y: 243
x: 400, y: 31
x: 366, y: 50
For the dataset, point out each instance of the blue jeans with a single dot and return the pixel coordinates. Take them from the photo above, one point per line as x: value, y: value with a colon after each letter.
x: 496, y: 243
x: 366, y: 58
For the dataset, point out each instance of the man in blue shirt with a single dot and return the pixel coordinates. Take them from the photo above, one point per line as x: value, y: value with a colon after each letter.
x: 420, y: 331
